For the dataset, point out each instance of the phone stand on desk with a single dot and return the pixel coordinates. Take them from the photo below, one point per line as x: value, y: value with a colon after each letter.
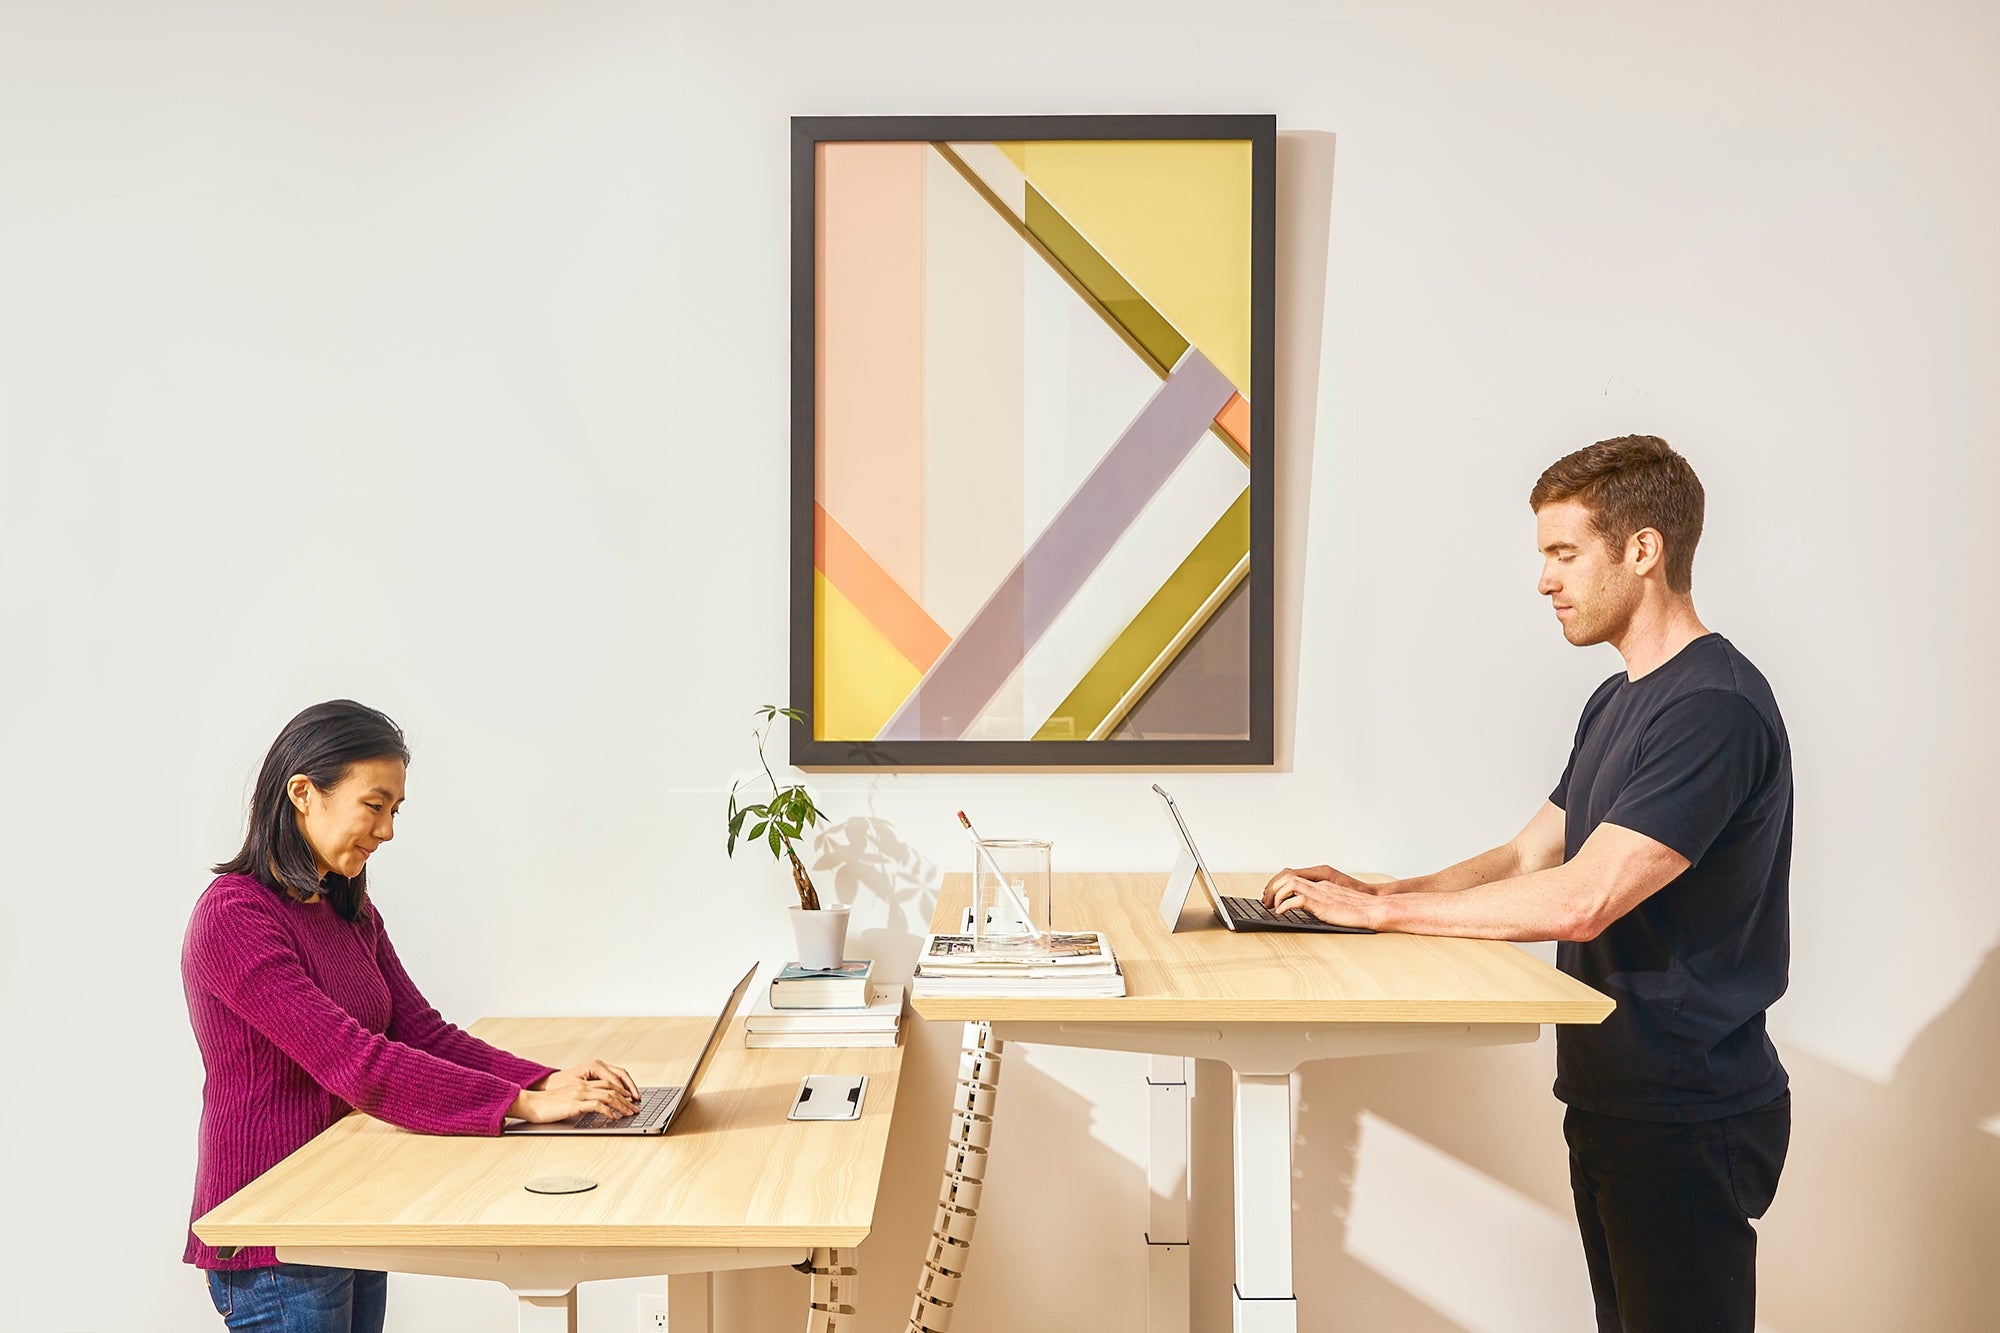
x: 829, y: 1097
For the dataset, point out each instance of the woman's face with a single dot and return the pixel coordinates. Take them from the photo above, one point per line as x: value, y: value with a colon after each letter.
x: 346, y: 823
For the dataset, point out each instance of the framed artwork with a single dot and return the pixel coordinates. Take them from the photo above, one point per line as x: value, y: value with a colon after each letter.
x: 1032, y: 440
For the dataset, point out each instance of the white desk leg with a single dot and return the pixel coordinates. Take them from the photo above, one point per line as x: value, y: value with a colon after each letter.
x: 690, y: 1303
x: 1263, y: 1301
x: 1167, y: 1087
x: 544, y: 1313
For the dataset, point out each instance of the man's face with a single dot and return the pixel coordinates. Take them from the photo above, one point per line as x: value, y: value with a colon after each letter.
x: 1593, y: 588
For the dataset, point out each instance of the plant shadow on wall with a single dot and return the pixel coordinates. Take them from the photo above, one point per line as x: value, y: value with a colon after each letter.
x: 864, y: 854
x: 1887, y: 1217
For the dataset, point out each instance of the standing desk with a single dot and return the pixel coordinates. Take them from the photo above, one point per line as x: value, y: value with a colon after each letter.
x: 733, y: 1185
x: 1263, y: 1004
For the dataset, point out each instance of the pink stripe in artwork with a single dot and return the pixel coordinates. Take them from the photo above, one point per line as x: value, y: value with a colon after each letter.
x: 871, y: 350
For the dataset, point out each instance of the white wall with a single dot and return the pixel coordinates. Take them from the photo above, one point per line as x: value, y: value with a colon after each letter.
x: 436, y: 355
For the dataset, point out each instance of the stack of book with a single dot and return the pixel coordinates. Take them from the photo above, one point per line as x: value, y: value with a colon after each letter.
x: 825, y: 1007
x: 1071, y: 964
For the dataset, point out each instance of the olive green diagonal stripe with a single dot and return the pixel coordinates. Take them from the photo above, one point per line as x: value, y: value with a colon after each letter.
x: 1118, y: 298
x: 1040, y: 247
x: 1127, y: 669
x: 1091, y: 276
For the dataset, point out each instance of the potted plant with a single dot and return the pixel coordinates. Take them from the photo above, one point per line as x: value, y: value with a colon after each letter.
x: 781, y: 820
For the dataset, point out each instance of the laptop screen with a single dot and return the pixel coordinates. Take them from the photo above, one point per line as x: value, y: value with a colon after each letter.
x: 715, y: 1034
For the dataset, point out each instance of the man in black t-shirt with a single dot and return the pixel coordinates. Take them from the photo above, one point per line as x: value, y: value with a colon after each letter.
x: 1661, y: 862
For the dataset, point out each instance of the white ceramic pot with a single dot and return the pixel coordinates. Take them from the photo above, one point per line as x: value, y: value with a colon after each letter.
x: 821, y: 935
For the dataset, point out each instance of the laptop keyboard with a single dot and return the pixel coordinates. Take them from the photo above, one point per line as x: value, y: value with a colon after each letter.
x: 1253, y: 909
x: 653, y: 1106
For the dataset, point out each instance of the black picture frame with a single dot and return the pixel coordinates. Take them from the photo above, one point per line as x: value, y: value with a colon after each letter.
x: 1258, y: 748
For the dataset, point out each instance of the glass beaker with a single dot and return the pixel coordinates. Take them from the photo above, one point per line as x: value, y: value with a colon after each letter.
x: 1011, y: 892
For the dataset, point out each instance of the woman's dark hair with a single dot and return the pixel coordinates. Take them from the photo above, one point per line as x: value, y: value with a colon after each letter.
x: 323, y: 743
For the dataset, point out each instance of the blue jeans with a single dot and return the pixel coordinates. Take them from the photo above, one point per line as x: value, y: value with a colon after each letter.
x: 298, y: 1298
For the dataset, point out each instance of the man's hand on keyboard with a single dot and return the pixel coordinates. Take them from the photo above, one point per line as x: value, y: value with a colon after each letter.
x: 1338, y: 900
x: 1327, y: 875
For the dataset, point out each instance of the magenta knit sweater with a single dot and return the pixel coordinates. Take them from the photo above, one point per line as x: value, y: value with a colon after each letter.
x: 301, y: 1016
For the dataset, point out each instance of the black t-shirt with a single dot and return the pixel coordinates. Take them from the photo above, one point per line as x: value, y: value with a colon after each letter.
x: 1692, y: 755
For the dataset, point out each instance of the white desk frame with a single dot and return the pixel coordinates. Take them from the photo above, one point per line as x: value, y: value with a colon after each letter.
x: 1261, y: 1058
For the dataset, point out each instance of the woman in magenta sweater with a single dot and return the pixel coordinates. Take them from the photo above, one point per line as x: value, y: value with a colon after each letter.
x: 302, y: 1012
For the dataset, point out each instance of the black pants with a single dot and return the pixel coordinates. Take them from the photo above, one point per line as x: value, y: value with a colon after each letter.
x: 1665, y: 1214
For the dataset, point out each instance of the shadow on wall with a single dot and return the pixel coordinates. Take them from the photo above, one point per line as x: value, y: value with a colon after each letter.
x: 1889, y: 1213
x: 1305, y: 208
x: 1888, y: 1216
x: 869, y: 861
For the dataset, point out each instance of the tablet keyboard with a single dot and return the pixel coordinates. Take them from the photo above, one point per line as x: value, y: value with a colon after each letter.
x: 1253, y: 909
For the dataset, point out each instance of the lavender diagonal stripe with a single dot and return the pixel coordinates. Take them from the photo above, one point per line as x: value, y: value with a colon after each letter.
x: 1026, y: 603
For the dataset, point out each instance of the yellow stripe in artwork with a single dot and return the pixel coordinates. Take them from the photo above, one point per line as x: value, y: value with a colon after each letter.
x: 860, y: 680
x: 1173, y: 216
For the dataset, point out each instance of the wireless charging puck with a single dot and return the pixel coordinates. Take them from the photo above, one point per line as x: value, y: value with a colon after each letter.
x: 559, y: 1185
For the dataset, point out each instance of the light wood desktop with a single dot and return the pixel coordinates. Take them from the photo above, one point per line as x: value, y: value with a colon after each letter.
x: 733, y: 1184
x: 1263, y: 1003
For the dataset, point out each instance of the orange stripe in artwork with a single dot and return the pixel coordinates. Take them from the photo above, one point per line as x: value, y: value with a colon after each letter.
x: 1234, y: 419
x: 907, y: 627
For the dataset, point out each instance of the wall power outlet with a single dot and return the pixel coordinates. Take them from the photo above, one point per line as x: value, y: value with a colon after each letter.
x: 652, y: 1314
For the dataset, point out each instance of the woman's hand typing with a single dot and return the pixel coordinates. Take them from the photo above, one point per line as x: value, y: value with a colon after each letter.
x: 593, y: 1086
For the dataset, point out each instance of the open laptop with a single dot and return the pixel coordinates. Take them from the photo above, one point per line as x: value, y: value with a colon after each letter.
x: 1236, y: 913
x: 657, y: 1106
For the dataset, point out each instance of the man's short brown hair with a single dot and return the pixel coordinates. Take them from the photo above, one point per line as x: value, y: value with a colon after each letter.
x: 1632, y: 482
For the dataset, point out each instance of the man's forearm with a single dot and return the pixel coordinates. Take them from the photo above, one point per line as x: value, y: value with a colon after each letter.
x: 1543, y: 905
x: 1502, y: 862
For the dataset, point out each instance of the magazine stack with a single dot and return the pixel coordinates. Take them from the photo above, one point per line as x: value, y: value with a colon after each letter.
x: 1076, y: 963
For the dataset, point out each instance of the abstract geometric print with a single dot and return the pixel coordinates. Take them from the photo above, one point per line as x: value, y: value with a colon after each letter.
x: 1032, y: 432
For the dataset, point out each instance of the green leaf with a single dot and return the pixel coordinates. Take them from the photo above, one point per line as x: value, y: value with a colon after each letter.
x: 788, y: 812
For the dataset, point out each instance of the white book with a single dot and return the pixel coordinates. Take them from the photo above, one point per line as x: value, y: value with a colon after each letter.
x: 764, y: 1041
x: 883, y: 1012
x: 1062, y: 985
x: 1018, y: 972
